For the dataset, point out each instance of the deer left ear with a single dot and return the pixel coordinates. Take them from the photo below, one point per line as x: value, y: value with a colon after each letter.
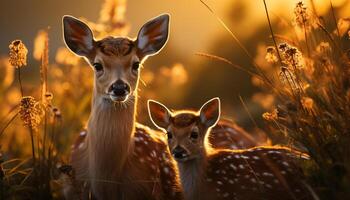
x: 153, y: 36
x: 159, y: 114
x: 210, y: 112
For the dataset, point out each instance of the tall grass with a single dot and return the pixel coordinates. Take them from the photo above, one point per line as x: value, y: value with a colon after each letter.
x: 309, y: 82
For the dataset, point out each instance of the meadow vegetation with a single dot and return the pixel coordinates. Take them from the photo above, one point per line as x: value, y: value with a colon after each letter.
x: 303, y: 76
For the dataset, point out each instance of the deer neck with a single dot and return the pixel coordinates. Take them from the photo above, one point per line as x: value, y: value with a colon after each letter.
x: 192, y: 175
x: 111, y: 128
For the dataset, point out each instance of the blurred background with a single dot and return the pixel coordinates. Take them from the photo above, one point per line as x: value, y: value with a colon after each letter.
x: 176, y: 76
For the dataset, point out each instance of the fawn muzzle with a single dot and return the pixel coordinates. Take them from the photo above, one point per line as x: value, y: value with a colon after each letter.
x: 119, y: 91
x: 179, y: 153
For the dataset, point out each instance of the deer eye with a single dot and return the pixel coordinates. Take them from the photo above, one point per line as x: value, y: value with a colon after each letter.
x: 98, y: 66
x: 135, y: 66
x: 169, y: 135
x: 194, y: 135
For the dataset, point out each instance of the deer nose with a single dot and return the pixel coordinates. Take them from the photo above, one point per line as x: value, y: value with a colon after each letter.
x: 120, y: 88
x: 179, y: 152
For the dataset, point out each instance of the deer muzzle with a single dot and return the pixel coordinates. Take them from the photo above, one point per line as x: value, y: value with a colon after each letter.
x: 119, y: 91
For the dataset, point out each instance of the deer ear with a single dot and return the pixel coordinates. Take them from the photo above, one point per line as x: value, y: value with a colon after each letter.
x: 210, y: 112
x: 159, y: 114
x: 77, y: 36
x: 153, y: 36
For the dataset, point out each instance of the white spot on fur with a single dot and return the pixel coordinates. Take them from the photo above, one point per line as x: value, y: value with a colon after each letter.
x: 166, y: 170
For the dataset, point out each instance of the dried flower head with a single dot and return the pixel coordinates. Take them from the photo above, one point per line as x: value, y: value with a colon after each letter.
x: 301, y: 15
x: 57, y: 113
x: 30, y: 112
x: 343, y: 26
x: 270, y: 116
x: 307, y: 103
x: 291, y: 56
x: 271, y: 55
x: 323, y: 48
x: 18, y: 54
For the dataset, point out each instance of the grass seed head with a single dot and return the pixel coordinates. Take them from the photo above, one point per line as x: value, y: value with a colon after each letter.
x: 301, y: 15
x: 30, y: 112
x: 271, y: 55
x: 18, y: 54
x: 271, y: 116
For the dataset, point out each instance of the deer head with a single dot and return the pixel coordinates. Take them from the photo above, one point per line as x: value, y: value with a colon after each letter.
x: 116, y: 61
x: 185, y: 130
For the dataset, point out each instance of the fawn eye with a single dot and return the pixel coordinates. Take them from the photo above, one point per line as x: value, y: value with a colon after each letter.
x: 135, y: 66
x: 98, y: 66
x: 169, y: 135
x: 194, y: 135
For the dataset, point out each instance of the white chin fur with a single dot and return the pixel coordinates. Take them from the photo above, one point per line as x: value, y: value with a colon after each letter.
x: 118, y: 98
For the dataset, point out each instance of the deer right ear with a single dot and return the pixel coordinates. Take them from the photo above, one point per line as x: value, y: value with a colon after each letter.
x: 159, y: 114
x: 77, y: 36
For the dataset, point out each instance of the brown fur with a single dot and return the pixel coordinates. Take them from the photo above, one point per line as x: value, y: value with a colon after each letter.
x: 110, y: 158
x: 207, y: 173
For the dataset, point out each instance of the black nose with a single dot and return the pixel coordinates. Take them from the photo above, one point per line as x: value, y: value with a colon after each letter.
x: 119, y: 88
x: 179, y: 152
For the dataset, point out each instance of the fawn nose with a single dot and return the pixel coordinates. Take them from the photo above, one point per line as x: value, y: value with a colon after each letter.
x: 179, y: 152
x: 120, y: 88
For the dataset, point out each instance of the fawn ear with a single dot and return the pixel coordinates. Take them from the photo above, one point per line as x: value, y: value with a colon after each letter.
x: 159, y: 114
x: 210, y: 112
x: 153, y: 36
x: 77, y: 36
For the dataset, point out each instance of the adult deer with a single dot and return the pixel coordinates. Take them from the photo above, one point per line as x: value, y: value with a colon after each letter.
x: 207, y: 173
x: 119, y: 159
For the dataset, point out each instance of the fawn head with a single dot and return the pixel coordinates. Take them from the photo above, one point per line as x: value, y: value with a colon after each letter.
x: 116, y: 61
x: 186, y: 130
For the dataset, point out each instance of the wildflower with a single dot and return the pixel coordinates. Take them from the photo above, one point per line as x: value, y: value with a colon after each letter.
x: 271, y: 55
x: 343, y: 26
x: 47, y: 99
x: 301, y: 15
x: 323, y: 48
x: 18, y: 54
x: 307, y: 103
x: 56, y: 112
x: 291, y: 56
x: 270, y: 116
x: 30, y: 112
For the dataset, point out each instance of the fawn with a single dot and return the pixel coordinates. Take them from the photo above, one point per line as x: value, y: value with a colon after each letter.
x: 115, y: 157
x: 228, y: 135
x: 207, y: 173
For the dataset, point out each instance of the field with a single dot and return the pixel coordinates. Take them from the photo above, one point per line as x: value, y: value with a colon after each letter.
x: 288, y: 79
